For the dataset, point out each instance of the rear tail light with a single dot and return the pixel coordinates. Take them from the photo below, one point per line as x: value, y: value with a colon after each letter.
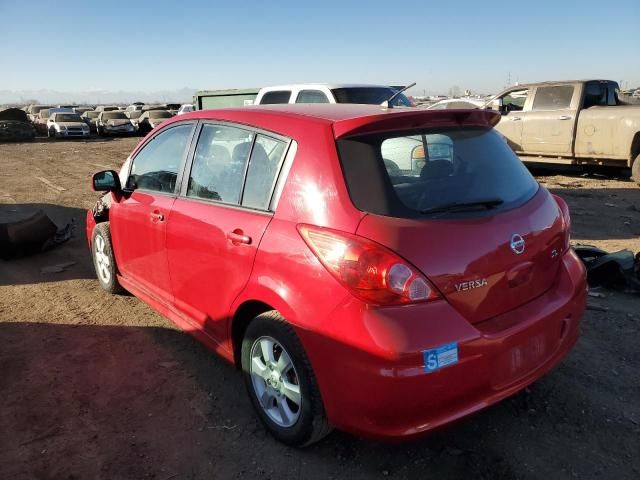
x: 566, y: 220
x: 370, y: 271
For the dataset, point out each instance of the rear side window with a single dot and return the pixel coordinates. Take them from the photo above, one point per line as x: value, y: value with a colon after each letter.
x: 407, y: 175
x: 311, y: 96
x: 155, y: 167
x: 553, y: 98
x: 280, y: 96
x: 266, y: 157
x: 219, y: 162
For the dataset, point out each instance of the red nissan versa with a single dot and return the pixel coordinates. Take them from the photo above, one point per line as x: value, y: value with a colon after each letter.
x: 381, y: 271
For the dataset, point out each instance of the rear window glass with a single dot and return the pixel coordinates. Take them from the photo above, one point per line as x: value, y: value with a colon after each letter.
x: 114, y: 116
x: 553, y: 98
x: 281, y: 96
x: 411, y: 175
x: 311, y: 96
x: 370, y: 96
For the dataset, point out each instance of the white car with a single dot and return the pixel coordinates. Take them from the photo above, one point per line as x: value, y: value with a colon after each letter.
x: 186, y: 108
x: 457, y: 103
x: 67, y: 125
x: 331, y: 93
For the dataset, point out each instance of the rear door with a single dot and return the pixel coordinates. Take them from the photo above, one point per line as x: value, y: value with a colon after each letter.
x: 549, y: 126
x: 219, y: 219
x: 139, y: 220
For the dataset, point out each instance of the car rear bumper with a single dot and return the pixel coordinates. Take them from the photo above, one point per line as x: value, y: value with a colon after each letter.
x: 375, y: 383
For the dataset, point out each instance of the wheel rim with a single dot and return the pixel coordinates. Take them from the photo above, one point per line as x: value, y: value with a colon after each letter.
x: 103, y: 262
x: 275, y: 381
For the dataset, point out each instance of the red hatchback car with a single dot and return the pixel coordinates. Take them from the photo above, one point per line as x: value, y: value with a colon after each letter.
x: 381, y: 271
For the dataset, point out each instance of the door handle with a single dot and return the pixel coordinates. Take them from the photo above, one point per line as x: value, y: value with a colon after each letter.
x: 515, y: 119
x: 564, y: 117
x: 157, y: 217
x: 238, y: 237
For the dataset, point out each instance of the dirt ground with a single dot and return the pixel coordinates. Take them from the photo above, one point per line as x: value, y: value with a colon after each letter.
x: 100, y: 387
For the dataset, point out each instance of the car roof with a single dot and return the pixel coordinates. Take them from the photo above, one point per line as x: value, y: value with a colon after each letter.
x: 345, y: 119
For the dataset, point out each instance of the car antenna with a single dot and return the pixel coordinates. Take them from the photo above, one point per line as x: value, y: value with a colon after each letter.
x: 387, y: 103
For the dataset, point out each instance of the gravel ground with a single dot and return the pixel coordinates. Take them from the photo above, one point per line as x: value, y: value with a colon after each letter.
x: 100, y: 387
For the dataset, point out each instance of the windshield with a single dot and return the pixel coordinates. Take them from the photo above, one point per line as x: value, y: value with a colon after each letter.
x: 135, y: 114
x: 159, y: 114
x: 68, y: 117
x: 369, y: 95
x: 408, y: 175
x: 114, y: 116
x: 92, y: 114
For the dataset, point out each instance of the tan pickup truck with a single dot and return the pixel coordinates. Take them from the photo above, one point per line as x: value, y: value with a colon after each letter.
x: 573, y: 122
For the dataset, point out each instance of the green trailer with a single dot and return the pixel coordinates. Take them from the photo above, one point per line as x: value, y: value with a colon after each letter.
x: 205, y: 99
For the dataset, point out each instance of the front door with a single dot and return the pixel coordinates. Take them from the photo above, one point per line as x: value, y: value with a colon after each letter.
x: 512, y: 109
x: 139, y: 220
x: 218, y: 221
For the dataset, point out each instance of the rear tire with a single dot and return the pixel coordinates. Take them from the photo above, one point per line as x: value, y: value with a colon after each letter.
x: 277, y: 373
x: 635, y: 170
x: 103, y: 258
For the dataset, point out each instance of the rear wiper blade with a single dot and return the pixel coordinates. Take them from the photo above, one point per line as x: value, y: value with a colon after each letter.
x: 462, y: 206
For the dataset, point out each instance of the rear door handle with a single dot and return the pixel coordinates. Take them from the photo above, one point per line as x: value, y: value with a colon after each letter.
x: 515, y: 119
x: 564, y: 117
x: 238, y: 237
x: 156, y: 216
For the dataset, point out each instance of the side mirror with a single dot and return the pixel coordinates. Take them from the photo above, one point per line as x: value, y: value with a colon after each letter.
x: 496, y: 104
x: 106, y: 181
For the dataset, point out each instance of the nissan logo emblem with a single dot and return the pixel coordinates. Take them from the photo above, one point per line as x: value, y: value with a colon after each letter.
x: 517, y: 244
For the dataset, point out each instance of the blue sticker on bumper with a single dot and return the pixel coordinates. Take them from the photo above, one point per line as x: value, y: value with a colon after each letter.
x: 440, y: 357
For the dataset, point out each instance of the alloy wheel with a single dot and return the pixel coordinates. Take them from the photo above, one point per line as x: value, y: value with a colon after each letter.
x: 103, y: 262
x: 275, y: 381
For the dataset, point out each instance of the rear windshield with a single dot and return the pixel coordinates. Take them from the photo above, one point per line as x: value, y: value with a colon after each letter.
x: 419, y: 175
x: 117, y: 115
x: 159, y: 114
x: 370, y: 96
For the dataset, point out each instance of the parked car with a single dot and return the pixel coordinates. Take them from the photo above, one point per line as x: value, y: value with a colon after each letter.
x: 114, y: 122
x: 151, y: 119
x: 326, y: 93
x: 40, y: 122
x: 67, y: 125
x: 134, y: 116
x: 90, y: 118
x: 186, y: 108
x: 34, y: 110
x: 106, y: 108
x: 453, y: 103
x: 573, y: 122
x: 381, y: 304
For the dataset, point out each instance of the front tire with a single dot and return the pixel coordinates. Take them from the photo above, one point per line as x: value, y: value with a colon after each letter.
x: 635, y: 170
x: 103, y: 258
x: 281, y: 383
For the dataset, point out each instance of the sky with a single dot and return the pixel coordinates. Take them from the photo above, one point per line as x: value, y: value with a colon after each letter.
x: 124, y: 45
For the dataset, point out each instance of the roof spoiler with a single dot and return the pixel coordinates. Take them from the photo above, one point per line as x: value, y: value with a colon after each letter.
x: 414, y: 120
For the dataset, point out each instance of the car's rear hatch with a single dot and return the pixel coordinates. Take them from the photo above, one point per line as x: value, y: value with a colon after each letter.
x: 472, y: 262
x: 444, y: 191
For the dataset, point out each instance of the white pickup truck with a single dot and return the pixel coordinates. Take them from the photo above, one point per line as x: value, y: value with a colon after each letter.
x: 573, y: 122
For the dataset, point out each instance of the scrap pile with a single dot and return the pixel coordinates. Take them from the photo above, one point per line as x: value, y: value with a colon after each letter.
x: 15, y: 126
x: 619, y: 270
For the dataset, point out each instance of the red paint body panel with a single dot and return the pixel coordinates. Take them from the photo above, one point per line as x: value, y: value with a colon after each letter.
x: 368, y: 360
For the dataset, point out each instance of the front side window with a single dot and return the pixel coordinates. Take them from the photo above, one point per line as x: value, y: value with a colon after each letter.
x: 311, y: 96
x: 410, y: 175
x: 514, y: 101
x: 155, y: 167
x: 266, y: 157
x: 219, y: 163
x: 553, y: 98
x: 280, y: 96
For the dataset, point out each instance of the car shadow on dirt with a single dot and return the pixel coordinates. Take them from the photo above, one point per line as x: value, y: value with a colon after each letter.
x: 66, y: 261
x: 122, y: 401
